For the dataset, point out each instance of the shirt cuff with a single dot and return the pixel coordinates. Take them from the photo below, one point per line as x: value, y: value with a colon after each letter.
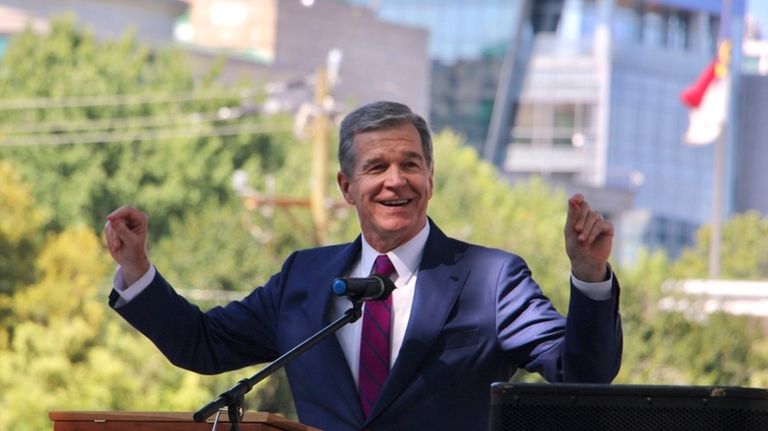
x: 127, y: 293
x: 600, y: 291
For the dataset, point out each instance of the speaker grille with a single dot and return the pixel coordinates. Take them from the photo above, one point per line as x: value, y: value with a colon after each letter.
x: 626, y: 408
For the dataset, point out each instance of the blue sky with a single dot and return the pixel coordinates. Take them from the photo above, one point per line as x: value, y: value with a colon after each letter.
x: 759, y: 8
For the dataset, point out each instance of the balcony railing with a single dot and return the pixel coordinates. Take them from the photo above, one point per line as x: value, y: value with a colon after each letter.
x: 545, y: 159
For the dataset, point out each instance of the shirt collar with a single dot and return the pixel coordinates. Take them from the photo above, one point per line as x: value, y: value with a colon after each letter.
x: 405, y: 258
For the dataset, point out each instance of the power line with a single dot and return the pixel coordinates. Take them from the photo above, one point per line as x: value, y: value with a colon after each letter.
x: 58, y: 126
x: 270, y: 89
x: 119, y: 99
x: 154, y: 135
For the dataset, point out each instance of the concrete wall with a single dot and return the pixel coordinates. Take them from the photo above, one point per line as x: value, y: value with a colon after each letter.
x: 379, y: 61
x: 751, y: 166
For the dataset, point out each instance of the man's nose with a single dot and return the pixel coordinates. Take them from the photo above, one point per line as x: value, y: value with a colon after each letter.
x: 394, y: 177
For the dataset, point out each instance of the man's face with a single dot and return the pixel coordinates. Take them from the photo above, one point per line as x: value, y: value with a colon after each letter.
x: 390, y: 186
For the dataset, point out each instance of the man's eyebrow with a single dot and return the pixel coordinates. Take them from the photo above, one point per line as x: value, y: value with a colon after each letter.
x: 380, y: 158
x: 414, y: 155
x: 372, y: 161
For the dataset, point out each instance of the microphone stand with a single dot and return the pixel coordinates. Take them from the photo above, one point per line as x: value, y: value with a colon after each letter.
x: 233, y: 398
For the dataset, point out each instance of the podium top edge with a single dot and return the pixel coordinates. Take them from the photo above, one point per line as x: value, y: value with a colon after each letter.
x: 146, y: 416
x: 271, y: 419
x: 714, y: 391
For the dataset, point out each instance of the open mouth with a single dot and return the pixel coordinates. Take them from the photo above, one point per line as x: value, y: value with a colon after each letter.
x: 395, y: 202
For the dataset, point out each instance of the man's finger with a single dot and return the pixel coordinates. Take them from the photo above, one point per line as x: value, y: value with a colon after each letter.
x: 122, y: 212
x: 600, y: 227
x: 122, y: 231
x: 592, y: 227
x: 113, y: 241
x: 574, y: 202
x: 577, y: 212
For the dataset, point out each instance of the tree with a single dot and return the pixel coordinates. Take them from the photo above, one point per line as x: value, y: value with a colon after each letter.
x: 744, y: 250
x: 82, y: 149
x: 20, y: 241
x: 66, y: 351
x: 669, y: 346
x: 107, y: 123
x: 20, y: 223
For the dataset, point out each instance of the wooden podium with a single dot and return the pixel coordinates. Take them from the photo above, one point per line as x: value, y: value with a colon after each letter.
x: 166, y: 421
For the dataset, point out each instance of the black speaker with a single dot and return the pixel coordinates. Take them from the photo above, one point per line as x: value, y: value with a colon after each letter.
x: 592, y: 407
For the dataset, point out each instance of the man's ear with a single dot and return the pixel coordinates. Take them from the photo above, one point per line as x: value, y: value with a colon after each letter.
x: 343, y: 182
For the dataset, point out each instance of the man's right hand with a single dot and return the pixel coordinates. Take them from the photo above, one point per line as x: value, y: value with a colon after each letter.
x: 126, y: 233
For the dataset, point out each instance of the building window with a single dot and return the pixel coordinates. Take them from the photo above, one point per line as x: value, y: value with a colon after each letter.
x: 564, y: 122
x: 714, y: 33
x: 652, y: 25
x: 678, y: 31
x: 552, y: 124
x: 653, y: 29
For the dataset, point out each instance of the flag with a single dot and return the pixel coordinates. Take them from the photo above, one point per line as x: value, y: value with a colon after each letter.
x: 707, y: 100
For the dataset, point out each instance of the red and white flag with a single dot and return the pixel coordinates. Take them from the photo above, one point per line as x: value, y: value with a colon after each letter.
x: 707, y: 100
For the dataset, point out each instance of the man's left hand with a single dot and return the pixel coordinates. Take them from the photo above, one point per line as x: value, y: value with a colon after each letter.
x: 588, y: 240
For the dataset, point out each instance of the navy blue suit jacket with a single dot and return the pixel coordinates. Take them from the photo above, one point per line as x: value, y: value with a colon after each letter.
x: 477, y: 316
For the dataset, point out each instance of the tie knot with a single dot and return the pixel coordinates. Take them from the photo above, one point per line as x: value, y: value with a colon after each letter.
x: 383, y: 266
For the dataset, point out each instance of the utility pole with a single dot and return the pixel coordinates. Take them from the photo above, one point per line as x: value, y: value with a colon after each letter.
x: 320, y: 113
x: 325, y: 80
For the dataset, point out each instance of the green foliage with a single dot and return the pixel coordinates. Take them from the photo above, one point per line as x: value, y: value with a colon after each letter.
x: 68, y: 353
x: 60, y: 347
x: 743, y: 254
x: 640, y: 311
x: 20, y: 222
x: 20, y: 241
x: 114, y: 122
x: 472, y: 203
x: 223, y: 250
x: 238, y: 244
x: 54, y: 325
x: 667, y: 345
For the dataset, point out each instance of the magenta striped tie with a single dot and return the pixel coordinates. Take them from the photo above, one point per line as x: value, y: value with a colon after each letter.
x: 375, y: 341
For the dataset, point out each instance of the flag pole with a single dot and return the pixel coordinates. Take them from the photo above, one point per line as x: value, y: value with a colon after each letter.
x: 717, y: 207
x: 712, y: 100
x: 724, y: 59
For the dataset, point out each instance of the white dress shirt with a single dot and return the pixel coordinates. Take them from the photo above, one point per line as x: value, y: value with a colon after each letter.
x: 406, y: 260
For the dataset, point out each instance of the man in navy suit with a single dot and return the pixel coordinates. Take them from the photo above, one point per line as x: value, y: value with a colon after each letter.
x: 462, y: 315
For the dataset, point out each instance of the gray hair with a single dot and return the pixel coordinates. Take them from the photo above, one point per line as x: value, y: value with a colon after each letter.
x: 379, y: 116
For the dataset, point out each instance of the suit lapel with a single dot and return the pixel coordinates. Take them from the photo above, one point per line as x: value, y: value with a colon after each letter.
x: 437, y: 287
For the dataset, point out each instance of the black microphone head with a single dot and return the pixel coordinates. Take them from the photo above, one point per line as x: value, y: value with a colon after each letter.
x: 374, y: 287
x: 388, y: 284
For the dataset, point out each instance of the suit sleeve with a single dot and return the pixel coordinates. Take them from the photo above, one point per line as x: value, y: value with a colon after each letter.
x: 240, y: 334
x: 586, y: 347
x: 594, y: 338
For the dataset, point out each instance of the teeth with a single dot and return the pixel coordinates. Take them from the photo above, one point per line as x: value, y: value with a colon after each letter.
x: 396, y: 202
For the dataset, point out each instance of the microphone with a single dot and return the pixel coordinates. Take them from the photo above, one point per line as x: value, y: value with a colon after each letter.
x: 374, y: 287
